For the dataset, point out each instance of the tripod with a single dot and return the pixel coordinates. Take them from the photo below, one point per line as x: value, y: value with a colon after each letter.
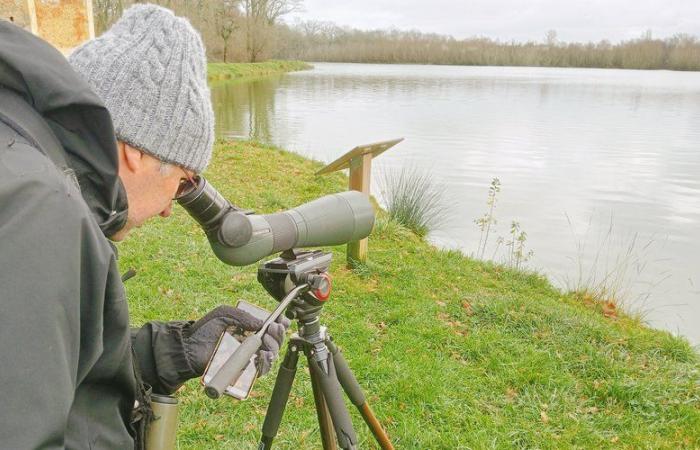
x: 299, y: 280
x: 329, y: 372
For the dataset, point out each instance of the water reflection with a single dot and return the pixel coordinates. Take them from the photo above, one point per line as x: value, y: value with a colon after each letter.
x: 575, y: 149
x: 243, y: 109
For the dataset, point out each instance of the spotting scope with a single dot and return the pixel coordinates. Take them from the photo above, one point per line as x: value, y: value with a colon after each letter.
x: 239, y: 237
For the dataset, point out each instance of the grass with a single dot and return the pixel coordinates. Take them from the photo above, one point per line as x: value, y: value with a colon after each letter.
x: 453, y: 353
x: 414, y: 200
x: 617, y: 261
x: 230, y: 71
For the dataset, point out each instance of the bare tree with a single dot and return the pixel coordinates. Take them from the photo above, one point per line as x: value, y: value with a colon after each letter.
x: 225, y: 19
x: 276, y: 9
x: 255, y: 28
x: 261, y: 17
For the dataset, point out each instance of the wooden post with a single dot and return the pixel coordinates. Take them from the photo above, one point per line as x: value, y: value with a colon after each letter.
x: 359, y: 161
x: 31, y: 9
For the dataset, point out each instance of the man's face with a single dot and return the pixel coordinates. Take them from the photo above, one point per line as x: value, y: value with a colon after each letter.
x: 150, y: 187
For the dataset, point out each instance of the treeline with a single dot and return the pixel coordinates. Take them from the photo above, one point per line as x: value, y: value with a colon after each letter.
x: 232, y: 30
x: 254, y: 30
x: 327, y: 42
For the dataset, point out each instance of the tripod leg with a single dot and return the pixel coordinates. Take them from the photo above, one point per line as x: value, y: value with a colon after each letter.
x: 352, y: 389
x: 280, y: 395
x: 322, y: 364
x: 324, y: 416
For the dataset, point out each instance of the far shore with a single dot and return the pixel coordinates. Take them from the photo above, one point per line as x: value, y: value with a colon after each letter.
x: 218, y: 71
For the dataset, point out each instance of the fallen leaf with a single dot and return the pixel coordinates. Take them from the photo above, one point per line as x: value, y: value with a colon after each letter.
x: 544, y: 417
x: 610, y: 310
x: 440, y: 303
x: 467, y: 308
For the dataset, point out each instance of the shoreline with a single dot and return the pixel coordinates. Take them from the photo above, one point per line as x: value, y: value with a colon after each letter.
x: 217, y: 71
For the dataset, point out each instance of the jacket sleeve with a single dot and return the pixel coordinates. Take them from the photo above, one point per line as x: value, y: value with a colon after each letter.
x: 40, y: 302
x: 160, y: 355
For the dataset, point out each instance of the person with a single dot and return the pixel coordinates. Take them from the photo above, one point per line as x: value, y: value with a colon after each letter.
x: 90, y: 150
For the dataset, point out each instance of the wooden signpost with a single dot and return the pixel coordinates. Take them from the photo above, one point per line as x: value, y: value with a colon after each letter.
x: 359, y: 161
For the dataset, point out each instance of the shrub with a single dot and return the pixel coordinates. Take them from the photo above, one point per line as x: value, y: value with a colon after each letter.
x: 413, y: 199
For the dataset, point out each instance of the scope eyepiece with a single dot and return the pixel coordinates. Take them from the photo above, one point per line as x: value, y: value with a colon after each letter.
x: 205, y: 204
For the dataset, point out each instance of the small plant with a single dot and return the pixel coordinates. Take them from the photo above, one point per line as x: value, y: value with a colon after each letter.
x: 414, y: 200
x: 516, y: 253
x: 486, y: 221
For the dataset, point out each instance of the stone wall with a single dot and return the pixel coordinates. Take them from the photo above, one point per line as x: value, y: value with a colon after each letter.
x: 15, y: 11
x: 64, y: 23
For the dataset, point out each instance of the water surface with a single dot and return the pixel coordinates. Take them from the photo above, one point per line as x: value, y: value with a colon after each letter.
x: 599, y: 167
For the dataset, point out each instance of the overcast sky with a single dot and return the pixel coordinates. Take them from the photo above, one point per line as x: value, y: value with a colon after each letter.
x: 520, y: 20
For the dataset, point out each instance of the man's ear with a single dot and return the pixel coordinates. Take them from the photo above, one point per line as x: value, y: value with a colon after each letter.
x: 132, y: 158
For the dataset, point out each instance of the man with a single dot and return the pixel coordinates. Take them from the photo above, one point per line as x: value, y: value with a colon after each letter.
x: 71, y: 176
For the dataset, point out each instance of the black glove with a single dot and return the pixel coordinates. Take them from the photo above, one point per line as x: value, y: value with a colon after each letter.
x: 272, y: 341
x: 201, y: 337
x: 170, y: 353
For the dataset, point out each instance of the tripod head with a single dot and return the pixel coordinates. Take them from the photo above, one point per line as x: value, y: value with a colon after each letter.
x: 300, y: 282
x: 295, y: 268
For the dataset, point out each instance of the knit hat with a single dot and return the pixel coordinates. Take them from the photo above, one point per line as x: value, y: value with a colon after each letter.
x: 150, y: 71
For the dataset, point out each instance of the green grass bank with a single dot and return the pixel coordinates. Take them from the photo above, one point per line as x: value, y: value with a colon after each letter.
x: 452, y: 353
x: 232, y: 71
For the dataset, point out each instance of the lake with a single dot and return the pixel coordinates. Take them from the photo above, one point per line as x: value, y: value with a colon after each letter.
x: 601, y: 168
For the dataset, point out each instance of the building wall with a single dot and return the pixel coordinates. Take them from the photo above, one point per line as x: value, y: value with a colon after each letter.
x: 15, y: 11
x: 64, y: 23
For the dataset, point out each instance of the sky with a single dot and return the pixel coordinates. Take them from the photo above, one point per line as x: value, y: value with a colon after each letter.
x: 519, y: 20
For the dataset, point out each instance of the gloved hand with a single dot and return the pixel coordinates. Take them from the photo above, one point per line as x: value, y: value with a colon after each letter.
x: 201, y: 337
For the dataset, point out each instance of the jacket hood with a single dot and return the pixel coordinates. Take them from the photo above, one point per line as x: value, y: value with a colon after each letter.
x: 42, y: 75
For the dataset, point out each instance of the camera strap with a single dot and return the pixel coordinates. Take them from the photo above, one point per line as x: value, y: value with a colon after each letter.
x: 28, y: 123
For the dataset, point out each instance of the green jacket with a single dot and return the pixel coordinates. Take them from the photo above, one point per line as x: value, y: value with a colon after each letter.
x: 67, y: 375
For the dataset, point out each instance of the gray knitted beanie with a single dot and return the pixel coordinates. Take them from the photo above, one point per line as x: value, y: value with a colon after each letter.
x: 150, y: 70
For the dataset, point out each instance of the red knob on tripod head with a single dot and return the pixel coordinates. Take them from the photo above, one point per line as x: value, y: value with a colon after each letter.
x: 321, y: 286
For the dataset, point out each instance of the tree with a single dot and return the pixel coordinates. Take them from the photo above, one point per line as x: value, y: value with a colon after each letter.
x: 225, y: 20
x: 106, y: 12
x: 260, y: 18
x: 276, y: 9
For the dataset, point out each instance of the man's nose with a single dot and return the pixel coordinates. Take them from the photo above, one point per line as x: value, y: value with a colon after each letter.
x: 168, y: 209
